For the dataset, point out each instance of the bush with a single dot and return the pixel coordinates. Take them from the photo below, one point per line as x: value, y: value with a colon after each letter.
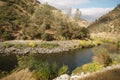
x: 42, y: 70
x: 38, y: 35
x: 47, y: 37
x: 26, y: 61
x: 64, y: 32
x: 90, y: 67
x: 102, y: 56
x: 85, y: 32
x: 7, y: 36
x: 45, y: 26
x: 79, y: 33
x: 63, y: 70
x: 115, y: 58
x: 45, y: 71
x: 86, y: 44
x: 32, y: 44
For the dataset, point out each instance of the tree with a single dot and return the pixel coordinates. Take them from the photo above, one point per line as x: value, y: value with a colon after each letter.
x: 64, y: 32
x: 77, y: 14
x: 42, y: 14
x: 47, y: 37
x: 69, y: 12
x: 85, y: 32
x: 102, y: 56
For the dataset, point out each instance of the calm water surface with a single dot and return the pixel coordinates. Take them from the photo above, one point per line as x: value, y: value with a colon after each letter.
x: 73, y: 59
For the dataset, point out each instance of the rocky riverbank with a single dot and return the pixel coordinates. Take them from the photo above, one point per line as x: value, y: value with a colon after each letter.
x: 62, y: 46
x: 83, y: 75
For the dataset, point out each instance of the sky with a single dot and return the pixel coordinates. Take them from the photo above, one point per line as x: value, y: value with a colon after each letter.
x: 90, y: 9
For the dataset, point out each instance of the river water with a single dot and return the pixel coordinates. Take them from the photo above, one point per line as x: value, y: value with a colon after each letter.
x: 73, y: 59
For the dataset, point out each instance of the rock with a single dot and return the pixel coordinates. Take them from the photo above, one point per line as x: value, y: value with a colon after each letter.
x: 82, y: 73
x: 63, y: 77
x: 108, y: 68
x: 75, y: 77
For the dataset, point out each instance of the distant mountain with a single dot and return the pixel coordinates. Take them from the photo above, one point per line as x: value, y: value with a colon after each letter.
x: 29, y: 19
x: 108, y: 23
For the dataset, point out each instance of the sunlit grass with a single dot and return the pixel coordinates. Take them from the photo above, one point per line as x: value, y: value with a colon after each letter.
x: 113, y: 74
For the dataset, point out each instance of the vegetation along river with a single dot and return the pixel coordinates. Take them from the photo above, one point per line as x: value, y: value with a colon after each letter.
x: 72, y: 58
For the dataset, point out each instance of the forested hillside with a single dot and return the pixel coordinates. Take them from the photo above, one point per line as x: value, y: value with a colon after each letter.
x: 29, y: 19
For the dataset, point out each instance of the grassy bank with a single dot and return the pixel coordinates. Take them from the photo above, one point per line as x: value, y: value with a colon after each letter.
x: 113, y: 74
x: 24, y: 47
x: 104, y: 65
x: 106, y: 40
x: 31, y: 44
x: 31, y: 69
x: 52, y: 44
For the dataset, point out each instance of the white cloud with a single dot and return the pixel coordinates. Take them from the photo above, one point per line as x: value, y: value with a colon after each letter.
x: 91, y: 14
x: 65, y: 3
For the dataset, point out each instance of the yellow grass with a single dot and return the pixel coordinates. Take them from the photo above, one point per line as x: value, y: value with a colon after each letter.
x: 24, y: 74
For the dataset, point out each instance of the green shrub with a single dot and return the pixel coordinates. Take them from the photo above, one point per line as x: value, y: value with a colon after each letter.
x: 115, y: 58
x: 38, y: 35
x: 85, y: 32
x: 90, y: 67
x: 42, y: 70
x: 64, y: 32
x: 63, y: 70
x: 7, y: 36
x: 47, y: 37
x: 32, y: 44
x: 45, y: 71
x: 45, y: 26
x: 78, y: 70
x: 97, y: 42
x: 86, y: 44
x: 26, y: 61
x: 102, y: 56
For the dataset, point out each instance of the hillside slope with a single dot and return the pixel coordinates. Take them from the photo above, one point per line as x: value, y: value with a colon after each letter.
x: 14, y: 14
x: 108, y: 23
x: 29, y: 19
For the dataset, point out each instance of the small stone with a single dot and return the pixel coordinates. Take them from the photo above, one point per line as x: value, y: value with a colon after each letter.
x: 63, y: 77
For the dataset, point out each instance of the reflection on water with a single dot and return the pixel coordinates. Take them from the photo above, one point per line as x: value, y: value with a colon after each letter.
x: 72, y: 58
x: 7, y: 63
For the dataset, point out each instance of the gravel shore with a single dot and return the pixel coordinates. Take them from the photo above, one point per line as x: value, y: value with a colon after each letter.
x: 63, y: 46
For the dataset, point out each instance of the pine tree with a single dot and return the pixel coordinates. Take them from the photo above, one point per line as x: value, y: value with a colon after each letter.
x: 69, y: 12
x: 77, y: 14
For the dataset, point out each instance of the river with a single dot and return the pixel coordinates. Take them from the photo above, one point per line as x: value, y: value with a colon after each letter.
x: 73, y: 59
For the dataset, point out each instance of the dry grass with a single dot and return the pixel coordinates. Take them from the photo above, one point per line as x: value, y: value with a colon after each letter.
x: 2, y: 3
x: 20, y: 75
x: 113, y: 74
